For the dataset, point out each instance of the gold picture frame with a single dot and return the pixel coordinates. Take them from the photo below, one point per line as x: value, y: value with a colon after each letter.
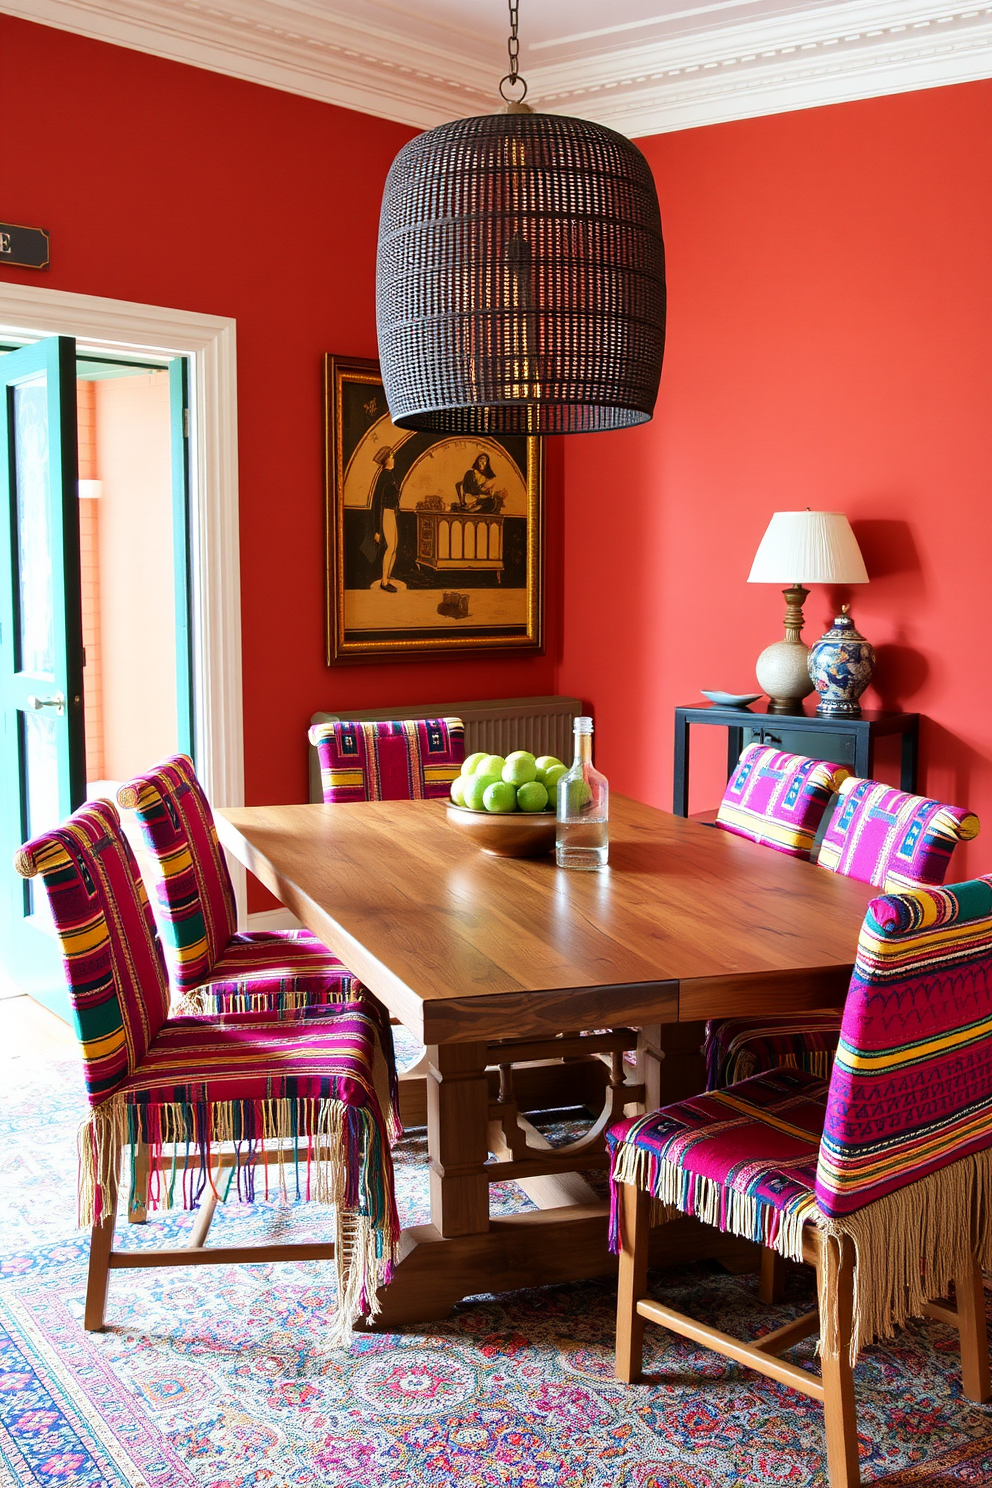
x: 435, y: 542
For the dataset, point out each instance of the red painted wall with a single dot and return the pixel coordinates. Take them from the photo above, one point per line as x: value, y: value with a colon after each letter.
x: 831, y: 311
x: 830, y: 277
x: 205, y: 193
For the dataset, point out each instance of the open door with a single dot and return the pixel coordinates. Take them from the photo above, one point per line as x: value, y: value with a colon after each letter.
x: 42, y: 757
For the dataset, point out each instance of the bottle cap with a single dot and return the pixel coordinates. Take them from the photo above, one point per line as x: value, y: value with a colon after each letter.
x: 583, y: 725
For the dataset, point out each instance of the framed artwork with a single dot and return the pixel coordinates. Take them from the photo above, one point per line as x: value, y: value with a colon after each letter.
x: 434, y: 541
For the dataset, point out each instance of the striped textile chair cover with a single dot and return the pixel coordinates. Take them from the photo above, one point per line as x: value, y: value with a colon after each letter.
x: 214, y: 967
x: 878, y: 835
x: 737, y: 1048
x: 319, y: 1083
x: 778, y: 799
x: 894, y: 1155
x: 892, y: 840
x: 411, y: 759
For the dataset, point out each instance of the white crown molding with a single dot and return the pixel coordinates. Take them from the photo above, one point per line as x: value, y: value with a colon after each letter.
x: 319, y: 53
x: 831, y: 54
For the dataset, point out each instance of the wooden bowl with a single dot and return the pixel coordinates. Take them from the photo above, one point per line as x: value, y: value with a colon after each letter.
x: 506, y: 834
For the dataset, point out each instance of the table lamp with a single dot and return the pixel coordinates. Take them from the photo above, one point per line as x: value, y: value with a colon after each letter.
x: 799, y: 548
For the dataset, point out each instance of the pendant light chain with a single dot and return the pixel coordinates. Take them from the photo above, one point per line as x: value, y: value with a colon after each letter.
x: 513, y: 51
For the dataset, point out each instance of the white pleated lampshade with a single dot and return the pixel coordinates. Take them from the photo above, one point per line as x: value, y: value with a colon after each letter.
x: 808, y: 547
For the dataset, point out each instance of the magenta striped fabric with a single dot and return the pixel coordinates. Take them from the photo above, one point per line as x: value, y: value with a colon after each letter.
x: 213, y: 967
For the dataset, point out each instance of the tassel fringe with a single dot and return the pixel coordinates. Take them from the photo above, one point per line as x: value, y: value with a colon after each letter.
x: 708, y: 1201
x: 908, y: 1246
x: 211, y: 1001
x: 324, y: 1151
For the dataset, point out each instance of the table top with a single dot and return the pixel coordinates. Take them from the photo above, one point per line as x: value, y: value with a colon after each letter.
x: 686, y: 922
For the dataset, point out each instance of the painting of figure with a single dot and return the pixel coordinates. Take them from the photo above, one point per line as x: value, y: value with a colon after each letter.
x: 433, y: 540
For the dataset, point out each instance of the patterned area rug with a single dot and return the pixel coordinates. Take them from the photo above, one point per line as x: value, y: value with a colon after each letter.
x: 218, y: 1377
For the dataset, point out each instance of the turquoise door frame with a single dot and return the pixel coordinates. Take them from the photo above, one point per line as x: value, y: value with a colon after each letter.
x: 42, y: 743
x: 42, y: 746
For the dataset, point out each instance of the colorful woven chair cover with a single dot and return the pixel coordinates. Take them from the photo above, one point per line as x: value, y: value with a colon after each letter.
x: 895, y: 1154
x: 318, y: 1084
x: 214, y: 967
x: 894, y: 841
x: 412, y: 759
x: 778, y: 799
x: 878, y: 835
x: 737, y: 1048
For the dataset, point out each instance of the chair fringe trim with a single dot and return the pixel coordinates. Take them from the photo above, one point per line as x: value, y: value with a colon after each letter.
x: 910, y: 1245
x: 706, y: 1200
x: 293, y: 1006
x: 325, y: 1151
x: 213, y: 1001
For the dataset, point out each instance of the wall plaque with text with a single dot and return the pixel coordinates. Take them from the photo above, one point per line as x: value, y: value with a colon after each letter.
x: 25, y: 247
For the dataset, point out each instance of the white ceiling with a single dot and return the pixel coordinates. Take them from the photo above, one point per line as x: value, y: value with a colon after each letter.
x: 641, y: 66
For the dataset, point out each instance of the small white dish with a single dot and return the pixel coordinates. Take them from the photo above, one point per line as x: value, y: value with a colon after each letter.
x: 730, y: 699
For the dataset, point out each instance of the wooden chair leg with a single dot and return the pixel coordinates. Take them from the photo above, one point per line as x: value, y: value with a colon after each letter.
x: 137, y: 1213
x: 101, y: 1244
x: 633, y: 1282
x: 973, y: 1332
x: 771, y: 1277
x: 836, y: 1319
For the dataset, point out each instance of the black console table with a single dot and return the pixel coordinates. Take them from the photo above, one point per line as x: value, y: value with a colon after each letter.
x: 845, y: 741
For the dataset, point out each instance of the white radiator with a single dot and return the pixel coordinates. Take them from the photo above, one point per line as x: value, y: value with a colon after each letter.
x: 541, y: 724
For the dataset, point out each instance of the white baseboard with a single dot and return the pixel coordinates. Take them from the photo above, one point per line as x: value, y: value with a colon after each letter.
x: 274, y: 919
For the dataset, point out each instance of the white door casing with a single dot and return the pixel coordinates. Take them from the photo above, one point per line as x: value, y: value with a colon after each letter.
x: 215, y: 592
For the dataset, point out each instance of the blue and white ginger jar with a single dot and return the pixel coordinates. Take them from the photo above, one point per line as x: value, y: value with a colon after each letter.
x: 840, y: 667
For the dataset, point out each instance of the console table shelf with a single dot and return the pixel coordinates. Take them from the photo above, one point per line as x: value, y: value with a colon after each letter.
x: 845, y: 741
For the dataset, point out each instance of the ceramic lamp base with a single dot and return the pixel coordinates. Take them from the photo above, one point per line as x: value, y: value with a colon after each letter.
x: 782, y: 671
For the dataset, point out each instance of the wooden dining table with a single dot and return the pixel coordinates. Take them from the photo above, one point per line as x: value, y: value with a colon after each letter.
x: 493, y: 961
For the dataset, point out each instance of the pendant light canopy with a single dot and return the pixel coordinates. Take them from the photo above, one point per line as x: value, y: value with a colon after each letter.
x: 520, y: 277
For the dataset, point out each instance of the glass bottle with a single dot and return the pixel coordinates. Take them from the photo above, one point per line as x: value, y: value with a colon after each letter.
x: 583, y: 834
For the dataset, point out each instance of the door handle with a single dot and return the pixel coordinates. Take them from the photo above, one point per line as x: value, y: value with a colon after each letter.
x: 57, y: 702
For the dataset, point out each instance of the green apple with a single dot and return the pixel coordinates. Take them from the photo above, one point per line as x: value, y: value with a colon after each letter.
x: 551, y: 777
x: 532, y: 797
x: 473, y: 762
x: 492, y: 764
x: 545, y: 762
x: 519, y: 768
x: 500, y: 796
x: 475, y: 789
x: 458, y: 789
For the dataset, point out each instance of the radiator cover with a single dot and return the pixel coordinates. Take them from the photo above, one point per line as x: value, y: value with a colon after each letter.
x: 544, y: 725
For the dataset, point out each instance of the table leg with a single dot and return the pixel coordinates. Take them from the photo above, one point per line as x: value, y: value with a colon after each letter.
x: 909, y: 756
x: 680, y: 800
x: 457, y: 1138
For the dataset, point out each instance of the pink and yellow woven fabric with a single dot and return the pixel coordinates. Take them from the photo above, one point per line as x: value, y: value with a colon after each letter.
x: 737, y: 1048
x: 411, y: 759
x: 911, y: 1089
x: 213, y: 967
x: 306, y: 1099
x: 895, y: 1153
x: 892, y: 840
x: 742, y: 1159
x: 778, y: 799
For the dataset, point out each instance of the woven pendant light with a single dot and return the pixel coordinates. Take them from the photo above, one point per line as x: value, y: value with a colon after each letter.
x: 521, y: 276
